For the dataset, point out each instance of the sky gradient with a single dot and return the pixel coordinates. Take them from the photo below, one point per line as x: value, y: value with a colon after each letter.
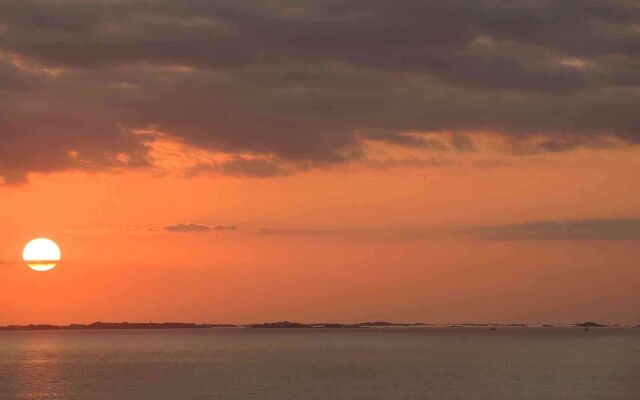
x: 326, y: 160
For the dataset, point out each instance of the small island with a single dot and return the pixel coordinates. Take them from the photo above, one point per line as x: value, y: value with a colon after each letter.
x: 591, y: 324
x: 281, y: 324
x: 377, y: 324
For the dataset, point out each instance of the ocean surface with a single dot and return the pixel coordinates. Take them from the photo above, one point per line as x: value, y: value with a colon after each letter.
x: 374, y: 363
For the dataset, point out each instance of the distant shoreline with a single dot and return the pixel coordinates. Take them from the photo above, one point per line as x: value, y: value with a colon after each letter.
x: 280, y: 325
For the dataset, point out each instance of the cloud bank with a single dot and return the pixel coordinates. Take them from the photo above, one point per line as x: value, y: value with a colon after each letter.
x: 307, y: 82
x: 578, y: 229
x: 584, y: 229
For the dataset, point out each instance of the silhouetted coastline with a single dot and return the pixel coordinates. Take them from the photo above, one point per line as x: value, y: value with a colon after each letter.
x: 107, y: 325
x: 272, y: 325
x: 113, y: 325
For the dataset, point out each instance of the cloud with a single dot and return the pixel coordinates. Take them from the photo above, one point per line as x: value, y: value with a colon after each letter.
x: 410, y: 162
x: 580, y: 229
x: 198, y: 228
x: 242, y: 166
x: 363, y: 232
x: 583, y: 229
x: 251, y: 167
x: 304, y: 83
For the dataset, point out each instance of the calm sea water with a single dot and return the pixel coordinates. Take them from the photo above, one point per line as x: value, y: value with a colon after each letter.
x: 395, y: 363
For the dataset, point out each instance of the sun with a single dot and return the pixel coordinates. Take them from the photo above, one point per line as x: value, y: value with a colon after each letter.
x: 41, y: 254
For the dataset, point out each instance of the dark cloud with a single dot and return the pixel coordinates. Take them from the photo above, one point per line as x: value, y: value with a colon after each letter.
x: 11, y: 79
x: 406, y: 139
x: 588, y: 229
x: 251, y: 167
x: 410, y: 162
x: 241, y: 166
x: 304, y: 82
x: 198, y: 228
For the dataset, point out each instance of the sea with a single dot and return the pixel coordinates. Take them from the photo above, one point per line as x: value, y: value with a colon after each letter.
x: 438, y: 363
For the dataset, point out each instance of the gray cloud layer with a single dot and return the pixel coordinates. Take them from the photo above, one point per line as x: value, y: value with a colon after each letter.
x: 579, y: 229
x: 306, y: 81
x: 593, y: 229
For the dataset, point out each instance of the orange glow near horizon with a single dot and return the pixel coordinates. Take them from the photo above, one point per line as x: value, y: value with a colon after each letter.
x: 360, y: 243
x: 320, y: 162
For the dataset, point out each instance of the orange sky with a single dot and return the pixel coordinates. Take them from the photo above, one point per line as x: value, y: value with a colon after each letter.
x: 353, y: 244
x: 247, y: 161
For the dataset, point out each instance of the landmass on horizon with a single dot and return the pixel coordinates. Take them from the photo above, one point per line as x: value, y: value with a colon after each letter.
x: 281, y: 325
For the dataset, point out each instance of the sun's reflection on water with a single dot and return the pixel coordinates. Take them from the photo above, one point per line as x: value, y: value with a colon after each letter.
x: 38, y: 367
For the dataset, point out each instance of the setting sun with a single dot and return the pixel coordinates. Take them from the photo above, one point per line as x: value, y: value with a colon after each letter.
x: 41, y: 254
